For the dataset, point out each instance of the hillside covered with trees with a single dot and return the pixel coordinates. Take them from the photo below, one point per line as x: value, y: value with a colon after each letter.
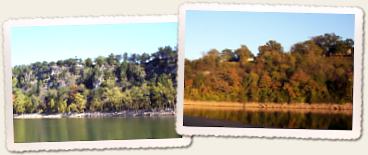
x: 105, y: 84
x: 319, y: 70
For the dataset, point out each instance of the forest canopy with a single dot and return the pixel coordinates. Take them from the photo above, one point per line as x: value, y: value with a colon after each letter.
x: 104, y: 84
x: 318, y: 70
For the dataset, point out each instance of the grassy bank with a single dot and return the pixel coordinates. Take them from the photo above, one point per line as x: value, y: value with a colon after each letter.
x: 250, y: 105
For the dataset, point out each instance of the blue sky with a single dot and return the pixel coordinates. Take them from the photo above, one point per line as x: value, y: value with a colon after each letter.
x: 52, y: 43
x: 205, y: 30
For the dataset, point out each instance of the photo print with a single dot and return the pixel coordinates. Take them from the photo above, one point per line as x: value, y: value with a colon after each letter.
x: 91, y: 83
x: 270, y: 71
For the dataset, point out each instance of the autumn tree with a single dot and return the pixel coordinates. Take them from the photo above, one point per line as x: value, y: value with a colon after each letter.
x: 318, y: 70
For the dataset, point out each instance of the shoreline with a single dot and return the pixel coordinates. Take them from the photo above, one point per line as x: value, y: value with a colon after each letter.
x: 122, y: 114
x: 286, y: 106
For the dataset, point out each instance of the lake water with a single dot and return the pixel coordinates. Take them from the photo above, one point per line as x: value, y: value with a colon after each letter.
x: 91, y: 129
x: 258, y: 118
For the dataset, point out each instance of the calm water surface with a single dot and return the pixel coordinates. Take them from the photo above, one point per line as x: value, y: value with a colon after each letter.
x: 90, y: 129
x: 253, y: 118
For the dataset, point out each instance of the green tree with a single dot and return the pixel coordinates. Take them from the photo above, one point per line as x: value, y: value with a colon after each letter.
x: 62, y: 106
x: 20, y: 102
x: 115, y: 98
x: 72, y: 108
x: 96, y: 104
x: 79, y: 102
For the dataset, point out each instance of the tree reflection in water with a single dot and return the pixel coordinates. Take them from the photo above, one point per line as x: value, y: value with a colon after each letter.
x: 268, y: 118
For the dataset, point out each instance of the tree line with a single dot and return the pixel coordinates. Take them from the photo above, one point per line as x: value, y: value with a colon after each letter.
x: 318, y: 70
x: 105, y: 84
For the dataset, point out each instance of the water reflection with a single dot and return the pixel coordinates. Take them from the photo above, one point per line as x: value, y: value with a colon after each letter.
x: 83, y: 129
x: 271, y: 118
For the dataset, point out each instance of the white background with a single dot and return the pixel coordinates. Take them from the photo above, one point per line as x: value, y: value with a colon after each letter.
x: 201, y: 145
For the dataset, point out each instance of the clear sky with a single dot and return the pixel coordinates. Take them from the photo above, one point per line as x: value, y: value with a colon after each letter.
x: 205, y: 30
x: 52, y: 43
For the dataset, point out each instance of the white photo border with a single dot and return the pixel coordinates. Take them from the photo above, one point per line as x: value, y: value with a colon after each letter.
x: 76, y: 145
x: 353, y: 134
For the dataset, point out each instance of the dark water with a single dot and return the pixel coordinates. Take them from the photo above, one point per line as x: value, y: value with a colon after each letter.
x: 90, y: 129
x: 221, y: 117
